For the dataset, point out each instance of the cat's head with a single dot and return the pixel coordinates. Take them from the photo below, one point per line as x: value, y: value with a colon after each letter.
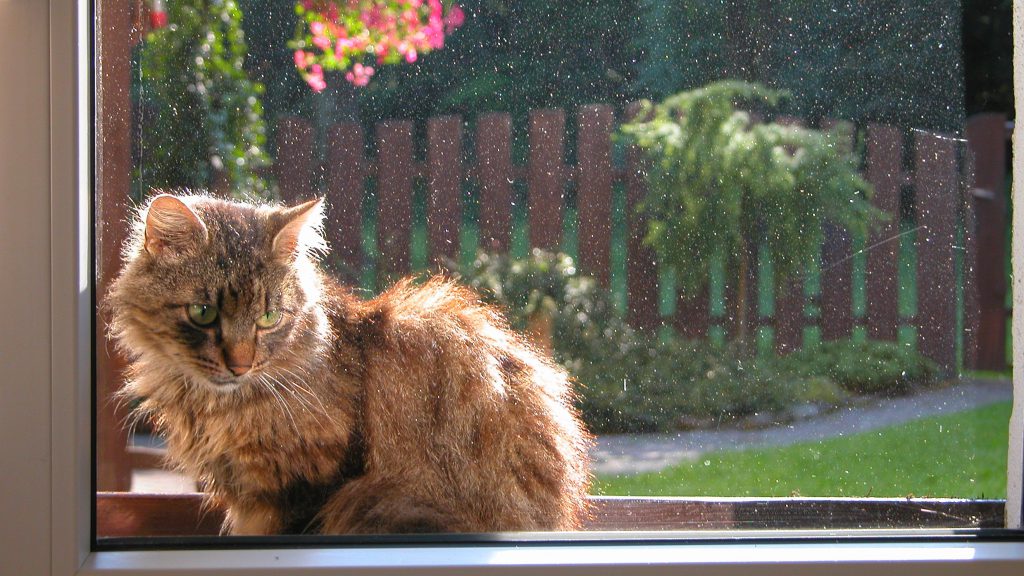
x: 220, y: 292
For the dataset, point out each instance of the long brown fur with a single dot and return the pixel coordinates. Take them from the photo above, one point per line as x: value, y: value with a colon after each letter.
x: 417, y: 411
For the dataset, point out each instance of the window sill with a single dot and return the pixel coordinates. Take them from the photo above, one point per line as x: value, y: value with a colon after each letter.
x: 126, y: 515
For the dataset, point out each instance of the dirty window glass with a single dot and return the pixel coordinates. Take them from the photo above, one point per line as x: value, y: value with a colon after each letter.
x: 766, y: 242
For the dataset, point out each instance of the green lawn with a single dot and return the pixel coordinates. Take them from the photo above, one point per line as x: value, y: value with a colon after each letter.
x: 961, y: 455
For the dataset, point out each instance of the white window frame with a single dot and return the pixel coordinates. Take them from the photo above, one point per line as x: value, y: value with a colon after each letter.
x: 45, y: 366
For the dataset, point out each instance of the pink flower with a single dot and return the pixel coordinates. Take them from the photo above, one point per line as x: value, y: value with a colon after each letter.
x: 359, y: 75
x: 317, y: 28
x: 411, y: 55
x: 302, y: 59
x: 434, y: 34
x: 322, y: 42
x: 315, y: 78
x: 455, y: 18
x: 343, y: 45
x: 332, y: 12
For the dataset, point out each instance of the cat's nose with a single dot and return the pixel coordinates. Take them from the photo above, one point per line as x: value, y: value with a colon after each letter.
x: 239, y: 370
x: 238, y: 357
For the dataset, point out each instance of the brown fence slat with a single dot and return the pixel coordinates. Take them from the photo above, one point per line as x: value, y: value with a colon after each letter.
x: 594, y: 190
x: 444, y: 186
x: 494, y: 171
x: 294, y: 165
x: 836, y: 284
x: 546, y: 178
x: 885, y: 173
x: 395, y: 174
x: 836, y: 318
x: 789, y: 296
x: 935, y: 169
x: 346, y: 179
x: 987, y: 142
x: 113, y: 469
x: 971, y: 303
x: 789, y: 316
x: 692, y: 315
x: 122, y: 515
x: 641, y: 263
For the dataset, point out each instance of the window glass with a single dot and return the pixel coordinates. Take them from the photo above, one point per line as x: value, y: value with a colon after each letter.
x: 766, y: 243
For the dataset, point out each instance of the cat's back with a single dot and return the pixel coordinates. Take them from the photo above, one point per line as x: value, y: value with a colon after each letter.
x: 459, y: 405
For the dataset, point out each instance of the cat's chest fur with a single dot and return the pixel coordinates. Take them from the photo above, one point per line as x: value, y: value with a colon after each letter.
x: 264, y: 442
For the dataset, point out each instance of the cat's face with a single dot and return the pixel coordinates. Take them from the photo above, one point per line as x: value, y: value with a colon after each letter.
x: 222, y: 291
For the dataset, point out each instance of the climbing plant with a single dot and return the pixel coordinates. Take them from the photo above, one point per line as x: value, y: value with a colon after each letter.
x: 202, y: 119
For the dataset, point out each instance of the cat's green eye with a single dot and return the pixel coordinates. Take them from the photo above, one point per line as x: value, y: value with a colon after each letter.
x: 269, y: 320
x: 202, y: 314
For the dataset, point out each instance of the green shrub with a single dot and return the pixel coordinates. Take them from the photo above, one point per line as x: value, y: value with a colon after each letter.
x: 632, y: 381
x: 872, y: 367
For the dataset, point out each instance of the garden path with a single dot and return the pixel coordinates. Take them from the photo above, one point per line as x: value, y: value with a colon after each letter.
x: 634, y: 453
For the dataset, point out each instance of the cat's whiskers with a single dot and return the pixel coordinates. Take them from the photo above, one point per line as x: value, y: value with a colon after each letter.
x: 261, y: 378
x: 283, y: 385
x: 295, y: 383
x: 294, y: 389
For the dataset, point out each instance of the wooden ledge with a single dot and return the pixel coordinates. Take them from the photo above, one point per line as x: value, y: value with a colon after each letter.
x: 124, y: 514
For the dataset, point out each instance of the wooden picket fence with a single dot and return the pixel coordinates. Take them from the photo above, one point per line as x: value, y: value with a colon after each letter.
x: 959, y: 208
x: 958, y: 211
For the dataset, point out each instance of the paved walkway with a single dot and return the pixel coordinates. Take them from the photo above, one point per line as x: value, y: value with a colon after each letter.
x: 633, y: 453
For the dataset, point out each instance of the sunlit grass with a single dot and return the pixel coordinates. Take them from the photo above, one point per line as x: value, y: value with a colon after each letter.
x: 961, y: 455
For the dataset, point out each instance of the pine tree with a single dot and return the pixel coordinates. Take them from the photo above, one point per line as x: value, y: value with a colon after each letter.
x: 720, y: 185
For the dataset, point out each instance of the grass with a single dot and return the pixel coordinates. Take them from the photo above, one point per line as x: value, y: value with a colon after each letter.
x: 961, y: 456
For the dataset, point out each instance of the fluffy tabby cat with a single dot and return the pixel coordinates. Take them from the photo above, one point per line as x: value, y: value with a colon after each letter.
x: 304, y: 409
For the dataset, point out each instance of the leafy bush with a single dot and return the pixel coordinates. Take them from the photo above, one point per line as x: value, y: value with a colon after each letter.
x: 668, y: 384
x: 633, y: 381
x: 872, y: 367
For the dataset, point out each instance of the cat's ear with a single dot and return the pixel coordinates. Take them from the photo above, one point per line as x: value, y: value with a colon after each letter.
x: 300, y: 231
x: 172, y: 227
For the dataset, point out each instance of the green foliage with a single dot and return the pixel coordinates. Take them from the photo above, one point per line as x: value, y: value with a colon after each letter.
x: 631, y: 381
x: 201, y: 114
x: 719, y: 183
x: 545, y: 281
x: 872, y: 367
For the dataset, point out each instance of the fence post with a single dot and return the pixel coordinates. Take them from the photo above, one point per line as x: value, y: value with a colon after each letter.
x: 986, y: 137
x: 546, y: 178
x: 113, y: 163
x: 494, y: 172
x: 346, y: 179
x: 594, y: 190
x: 641, y: 264
x: 968, y: 267
x: 836, y: 316
x: 395, y: 174
x: 936, y: 180
x: 789, y: 295
x: 885, y: 173
x: 294, y: 166
x: 444, y: 186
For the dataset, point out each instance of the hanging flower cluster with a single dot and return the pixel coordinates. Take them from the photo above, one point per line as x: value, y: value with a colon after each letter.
x: 350, y: 35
